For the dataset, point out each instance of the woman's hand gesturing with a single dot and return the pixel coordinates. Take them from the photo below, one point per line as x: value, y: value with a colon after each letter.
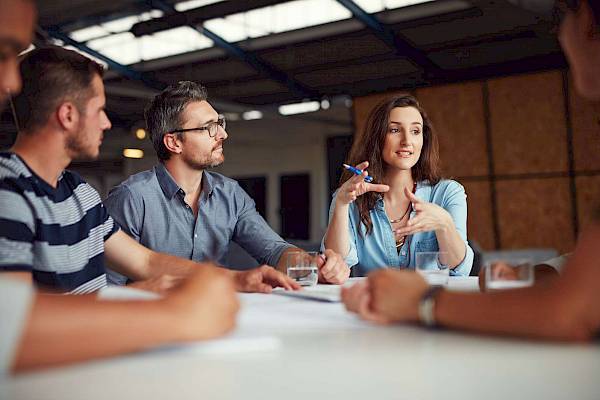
x: 356, y: 186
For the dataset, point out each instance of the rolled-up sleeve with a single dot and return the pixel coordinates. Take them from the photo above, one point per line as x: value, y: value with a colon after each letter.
x: 253, y: 233
x: 351, y: 258
x: 124, y: 210
x: 455, y: 202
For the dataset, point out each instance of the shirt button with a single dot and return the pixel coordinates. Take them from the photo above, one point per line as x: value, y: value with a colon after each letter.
x: 195, y: 235
x: 403, y: 253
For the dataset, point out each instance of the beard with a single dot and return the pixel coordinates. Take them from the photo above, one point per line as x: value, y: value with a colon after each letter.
x: 205, y: 161
x: 80, y: 145
x: 78, y: 149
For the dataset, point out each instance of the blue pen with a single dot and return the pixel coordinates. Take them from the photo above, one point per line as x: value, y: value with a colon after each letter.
x: 357, y: 171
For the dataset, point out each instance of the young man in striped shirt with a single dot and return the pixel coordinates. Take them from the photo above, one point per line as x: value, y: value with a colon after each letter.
x: 41, y: 330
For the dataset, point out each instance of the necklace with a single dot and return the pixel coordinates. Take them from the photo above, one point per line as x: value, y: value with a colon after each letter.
x: 401, y: 240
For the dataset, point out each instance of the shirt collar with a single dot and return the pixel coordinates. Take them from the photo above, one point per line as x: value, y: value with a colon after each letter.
x: 208, y: 183
x: 421, y: 185
x: 166, y: 181
x: 170, y: 187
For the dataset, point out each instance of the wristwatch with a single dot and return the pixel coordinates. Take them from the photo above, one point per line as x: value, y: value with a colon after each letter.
x: 427, y: 306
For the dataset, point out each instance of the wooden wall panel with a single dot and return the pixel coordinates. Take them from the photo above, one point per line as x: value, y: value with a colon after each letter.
x: 528, y: 123
x: 588, y: 198
x: 479, y: 220
x: 457, y: 115
x: 585, y: 120
x: 535, y: 213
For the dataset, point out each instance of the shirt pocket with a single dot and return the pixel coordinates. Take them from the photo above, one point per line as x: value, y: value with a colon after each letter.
x: 425, y: 245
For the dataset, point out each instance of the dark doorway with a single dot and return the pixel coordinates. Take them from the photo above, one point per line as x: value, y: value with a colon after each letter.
x: 295, y: 206
x: 338, y: 148
x: 256, y: 187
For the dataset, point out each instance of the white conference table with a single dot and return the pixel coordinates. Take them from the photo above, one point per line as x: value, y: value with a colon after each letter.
x: 290, y: 348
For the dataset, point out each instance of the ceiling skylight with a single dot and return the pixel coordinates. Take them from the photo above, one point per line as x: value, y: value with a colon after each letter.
x: 293, y: 15
x: 191, y: 4
x: 374, y: 6
x: 115, y: 26
x: 114, y: 40
x: 126, y: 49
x: 277, y: 18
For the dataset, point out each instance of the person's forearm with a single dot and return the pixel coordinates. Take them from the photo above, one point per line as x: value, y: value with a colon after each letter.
x: 337, y: 237
x: 162, y: 263
x: 532, y: 312
x: 63, y: 329
x: 450, y: 242
x: 564, y: 309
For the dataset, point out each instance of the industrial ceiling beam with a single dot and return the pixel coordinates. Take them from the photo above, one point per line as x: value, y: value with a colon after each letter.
x: 195, y: 16
x: 112, y: 64
x: 130, y: 73
x: 251, y: 59
x: 397, y: 42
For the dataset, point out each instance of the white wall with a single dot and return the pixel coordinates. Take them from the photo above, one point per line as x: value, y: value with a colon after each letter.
x: 283, y: 146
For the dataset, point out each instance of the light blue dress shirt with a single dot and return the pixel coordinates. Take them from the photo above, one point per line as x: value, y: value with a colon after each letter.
x: 378, y: 249
x: 150, y: 207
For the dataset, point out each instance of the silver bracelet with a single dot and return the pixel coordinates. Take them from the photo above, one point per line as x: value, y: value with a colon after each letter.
x: 427, y: 306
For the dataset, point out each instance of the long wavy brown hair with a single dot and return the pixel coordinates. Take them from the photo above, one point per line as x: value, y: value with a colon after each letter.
x: 369, y: 147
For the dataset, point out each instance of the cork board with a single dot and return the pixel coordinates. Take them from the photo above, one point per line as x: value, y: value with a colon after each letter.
x: 528, y: 123
x: 479, y: 219
x: 535, y: 213
x: 588, y: 198
x: 585, y: 121
x: 457, y: 115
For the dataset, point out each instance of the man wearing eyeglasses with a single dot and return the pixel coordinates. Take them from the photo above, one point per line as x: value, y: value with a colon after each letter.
x: 180, y: 208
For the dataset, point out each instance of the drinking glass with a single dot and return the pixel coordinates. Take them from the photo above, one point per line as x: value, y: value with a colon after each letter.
x: 431, y: 265
x: 302, y: 267
x: 508, y: 273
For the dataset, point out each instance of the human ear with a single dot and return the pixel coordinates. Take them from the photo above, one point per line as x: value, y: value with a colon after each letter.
x: 67, y: 116
x: 172, y: 143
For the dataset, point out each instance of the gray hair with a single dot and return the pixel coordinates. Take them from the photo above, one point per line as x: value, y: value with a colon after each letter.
x: 163, y: 114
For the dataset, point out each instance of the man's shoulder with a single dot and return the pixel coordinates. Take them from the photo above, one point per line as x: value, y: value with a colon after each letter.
x: 222, y: 182
x: 140, y: 183
x: 12, y: 168
x: 220, y: 179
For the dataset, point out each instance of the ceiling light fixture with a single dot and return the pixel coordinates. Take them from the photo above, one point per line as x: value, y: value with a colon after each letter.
x: 133, y: 153
x: 299, y: 108
x: 250, y: 115
x: 140, y: 133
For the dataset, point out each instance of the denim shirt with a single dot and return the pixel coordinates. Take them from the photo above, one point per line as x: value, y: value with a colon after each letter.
x: 378, y: 249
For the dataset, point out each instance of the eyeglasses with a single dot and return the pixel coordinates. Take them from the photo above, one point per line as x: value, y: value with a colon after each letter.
x: 212, y: 127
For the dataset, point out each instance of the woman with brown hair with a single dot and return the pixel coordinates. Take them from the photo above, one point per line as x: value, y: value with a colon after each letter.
x: 411, y: 210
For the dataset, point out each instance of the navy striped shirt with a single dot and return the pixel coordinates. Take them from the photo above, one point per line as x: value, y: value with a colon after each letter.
x: 56, y: 233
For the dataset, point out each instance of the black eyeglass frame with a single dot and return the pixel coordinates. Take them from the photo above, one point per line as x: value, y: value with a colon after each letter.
x: 212, y: 132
